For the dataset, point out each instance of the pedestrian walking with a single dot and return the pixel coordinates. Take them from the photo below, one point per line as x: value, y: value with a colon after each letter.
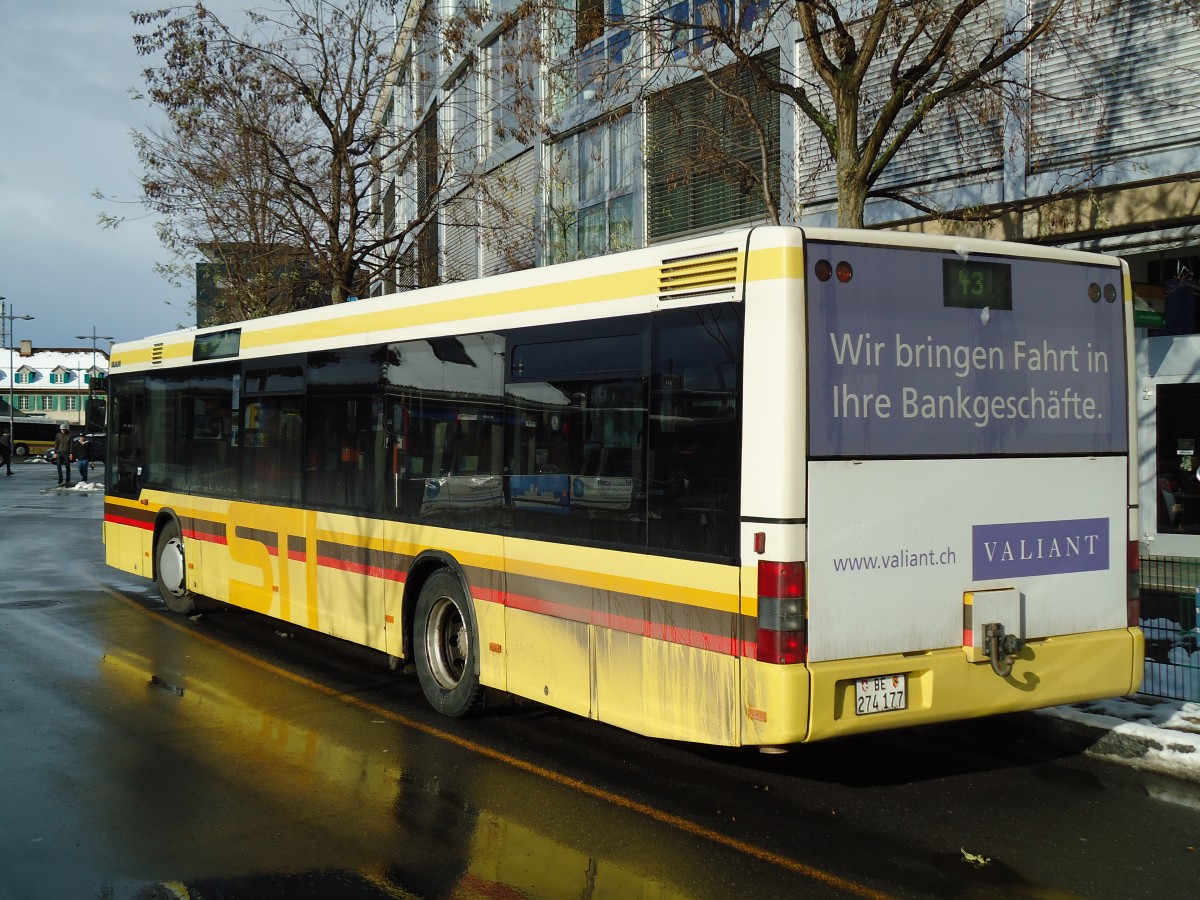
x: 5, y: 452
x: 62, y: 455
x: 83, y: 456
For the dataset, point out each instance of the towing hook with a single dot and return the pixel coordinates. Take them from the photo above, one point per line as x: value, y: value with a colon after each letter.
x: 1001, y: 648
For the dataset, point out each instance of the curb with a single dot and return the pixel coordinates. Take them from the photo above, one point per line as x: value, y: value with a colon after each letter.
x: 1160, y: 750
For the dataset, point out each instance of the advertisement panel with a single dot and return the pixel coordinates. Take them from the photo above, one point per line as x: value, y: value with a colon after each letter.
x: 895, y: 545
x: 937, y: 354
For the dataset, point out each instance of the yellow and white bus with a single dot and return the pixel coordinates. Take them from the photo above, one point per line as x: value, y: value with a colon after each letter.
x: 770, y: 486
x: 31, y: 437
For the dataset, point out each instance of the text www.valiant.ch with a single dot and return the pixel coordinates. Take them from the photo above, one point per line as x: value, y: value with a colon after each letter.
x: 904, y: 559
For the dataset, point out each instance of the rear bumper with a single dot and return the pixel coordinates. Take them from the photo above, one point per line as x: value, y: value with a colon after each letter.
x: 942, y: 686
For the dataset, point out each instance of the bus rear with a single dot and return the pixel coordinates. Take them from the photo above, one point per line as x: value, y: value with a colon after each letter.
x: 962, y: 536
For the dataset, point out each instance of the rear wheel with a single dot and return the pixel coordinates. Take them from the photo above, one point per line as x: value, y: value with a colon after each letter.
x: 21, y: 450
x: 170, y: 570
x: 446, y: 646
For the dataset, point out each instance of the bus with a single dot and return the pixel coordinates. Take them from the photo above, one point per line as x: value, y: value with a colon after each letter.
x: 31, y: 437
x: 765, y: 487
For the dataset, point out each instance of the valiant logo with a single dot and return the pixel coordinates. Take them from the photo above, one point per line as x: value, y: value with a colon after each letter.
x: 1039, y: 548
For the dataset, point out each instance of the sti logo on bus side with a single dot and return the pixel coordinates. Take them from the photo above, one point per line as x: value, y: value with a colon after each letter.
x: 1039, y: 548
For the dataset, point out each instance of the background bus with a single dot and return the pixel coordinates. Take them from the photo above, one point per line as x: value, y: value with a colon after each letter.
x: 32, y: 437
x: 769, y: 486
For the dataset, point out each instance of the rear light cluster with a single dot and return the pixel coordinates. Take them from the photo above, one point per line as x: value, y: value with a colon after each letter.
x: 824, y: 270
x: 782, y: 622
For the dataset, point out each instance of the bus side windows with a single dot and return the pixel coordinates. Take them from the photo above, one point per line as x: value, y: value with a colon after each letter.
x: 343, y: 466
x: 695, y: 431
x: 576, y: 469
x: 211, y: 429
x: 272, y: 440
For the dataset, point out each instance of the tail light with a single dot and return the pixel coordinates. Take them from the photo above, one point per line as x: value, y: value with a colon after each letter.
x: 1133, y: 595
x: 782, y: 620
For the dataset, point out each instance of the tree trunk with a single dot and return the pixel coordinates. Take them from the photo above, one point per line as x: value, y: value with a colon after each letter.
x: 852, y: 188
x: 852, y: 200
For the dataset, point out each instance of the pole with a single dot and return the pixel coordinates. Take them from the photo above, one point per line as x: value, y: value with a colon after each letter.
x: 9, y: 318
x: 93, y: 337
x: 4, y: 334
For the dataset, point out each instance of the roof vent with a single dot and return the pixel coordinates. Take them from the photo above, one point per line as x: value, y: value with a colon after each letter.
x: 700, y: 275
x: 156, y: 353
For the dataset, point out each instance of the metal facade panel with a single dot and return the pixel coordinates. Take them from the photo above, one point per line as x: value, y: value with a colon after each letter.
x: 461, y: 215
x: 507, y: 237
x: 1125, y: 84
x: 703, y: 155
x: 961, y: 137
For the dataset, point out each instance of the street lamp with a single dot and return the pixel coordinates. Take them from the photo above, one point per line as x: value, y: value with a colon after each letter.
x: 6, y: 320
x: 93, y: 337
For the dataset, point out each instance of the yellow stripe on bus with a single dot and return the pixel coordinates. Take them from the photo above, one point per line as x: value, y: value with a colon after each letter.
x: 368, y: 318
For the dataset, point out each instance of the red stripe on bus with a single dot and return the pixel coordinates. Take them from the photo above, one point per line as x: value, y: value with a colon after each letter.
x: 206, y: 536
x: 490, y: 595
x: 273, y: 550
x: 133, y: 523
x: 688, y: 637
x: 346, y: 565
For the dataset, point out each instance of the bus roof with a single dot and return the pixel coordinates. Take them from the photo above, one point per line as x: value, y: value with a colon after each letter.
x: 698, y: 270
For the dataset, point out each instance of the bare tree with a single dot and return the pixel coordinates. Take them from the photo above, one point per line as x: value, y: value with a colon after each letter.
x: 280, y: 139
x: 872, y: 84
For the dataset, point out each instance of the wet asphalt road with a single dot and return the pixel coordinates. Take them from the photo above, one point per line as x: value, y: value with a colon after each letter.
x: 146, y: 755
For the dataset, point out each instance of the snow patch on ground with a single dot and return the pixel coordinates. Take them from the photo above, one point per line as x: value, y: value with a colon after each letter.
x: 1149, y: 732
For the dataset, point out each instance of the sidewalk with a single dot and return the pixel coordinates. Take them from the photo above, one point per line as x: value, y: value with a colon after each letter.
x: 1143, y: 732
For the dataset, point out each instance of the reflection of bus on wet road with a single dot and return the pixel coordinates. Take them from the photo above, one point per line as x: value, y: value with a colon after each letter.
x: 757, y: 488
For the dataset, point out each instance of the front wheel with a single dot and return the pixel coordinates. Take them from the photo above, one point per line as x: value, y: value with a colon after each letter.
x: 170, y: 570
x: 446, y: 646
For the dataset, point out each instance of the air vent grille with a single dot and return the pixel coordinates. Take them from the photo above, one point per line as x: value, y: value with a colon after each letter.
x: 156, y: 354
x: 702, y: 274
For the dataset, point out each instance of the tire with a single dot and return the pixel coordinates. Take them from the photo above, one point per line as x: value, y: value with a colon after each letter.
x: 170, y: 570
x: 21, y: 450
x: 446, y: 646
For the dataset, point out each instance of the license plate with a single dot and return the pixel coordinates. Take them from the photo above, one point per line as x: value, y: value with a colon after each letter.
x: 880, y: 693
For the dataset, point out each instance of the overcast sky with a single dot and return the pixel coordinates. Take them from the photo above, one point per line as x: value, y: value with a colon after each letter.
x: 66, y: 69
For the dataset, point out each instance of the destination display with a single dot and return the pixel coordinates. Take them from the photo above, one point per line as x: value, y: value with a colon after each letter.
x: 976, y: 285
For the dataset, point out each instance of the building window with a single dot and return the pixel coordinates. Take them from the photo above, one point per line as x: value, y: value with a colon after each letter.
x: 688, y: 26
x: 47, y: 404
x: 510, y: 76
x: 589, y: 22
x: 23, y: 403
x: 71, y: 403
x: 591, y: 59
x: 428, y: 186
x: 705, y: 165
x: 462, y: 108
x: 591, y: 192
